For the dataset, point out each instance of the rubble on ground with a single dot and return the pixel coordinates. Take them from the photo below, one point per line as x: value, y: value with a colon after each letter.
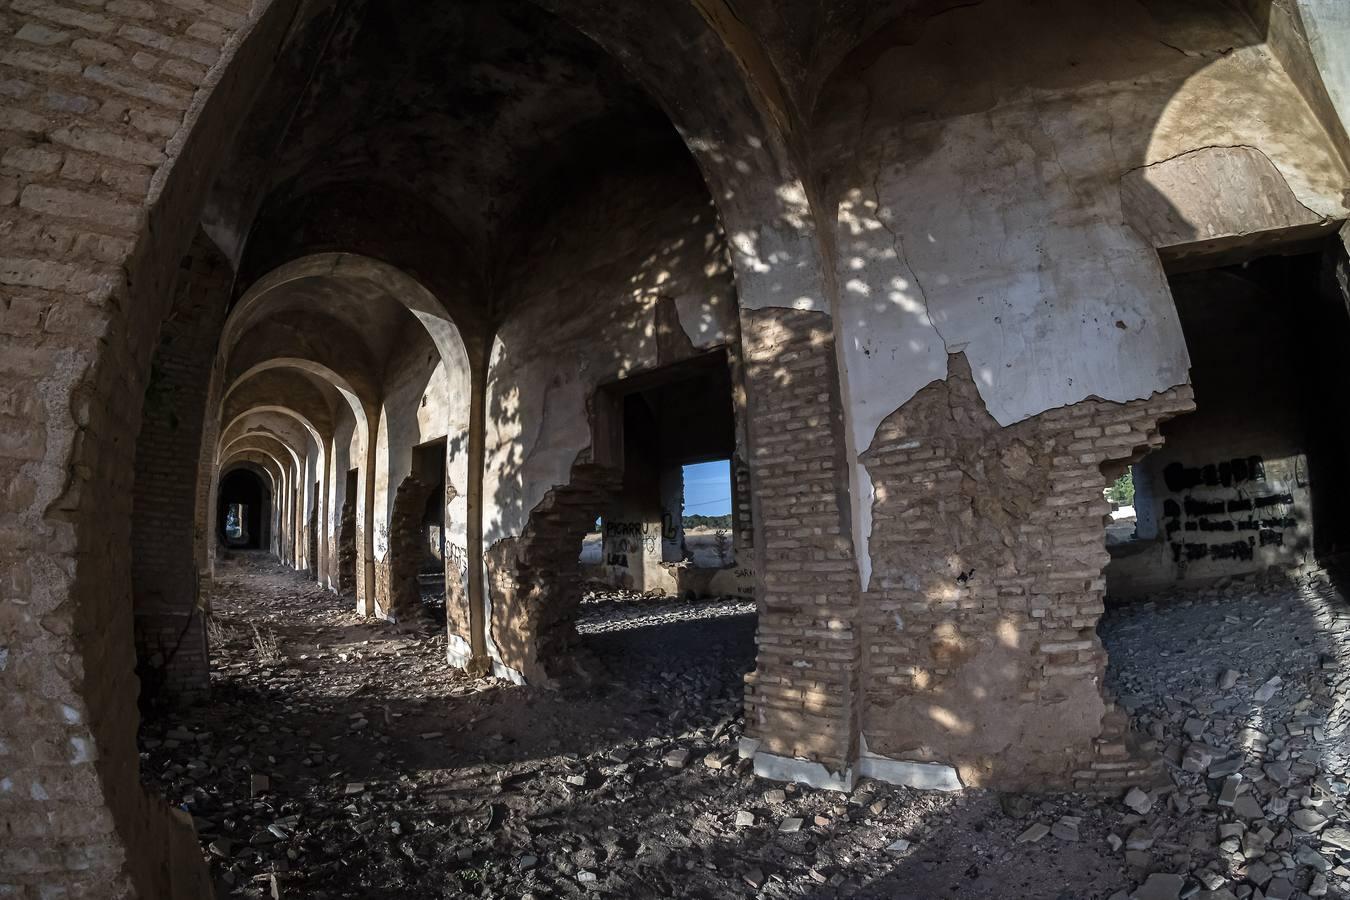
x: 1245, y: 687
x: 342, y: 759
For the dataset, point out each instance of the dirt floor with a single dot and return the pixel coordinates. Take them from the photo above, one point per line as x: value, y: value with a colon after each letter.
x: 343, y: 758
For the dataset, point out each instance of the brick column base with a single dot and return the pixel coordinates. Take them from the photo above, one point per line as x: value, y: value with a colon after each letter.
x: 801, y: 699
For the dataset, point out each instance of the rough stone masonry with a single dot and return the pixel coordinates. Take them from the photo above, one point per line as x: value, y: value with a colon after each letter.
x: 923, y: 273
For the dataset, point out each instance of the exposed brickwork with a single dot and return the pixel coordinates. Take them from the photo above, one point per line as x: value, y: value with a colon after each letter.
x: 988, y: 548
x: 535, y: 580
x: 974, y: 644
x: 203, y: 526
x: 800, y: 700
x: 312, y: 536
x: 743, y: 519
x: 456, y: 578
x: 347, y: 554
x: 89, y: 106
x: 170, y: 630
x: 397, y: 590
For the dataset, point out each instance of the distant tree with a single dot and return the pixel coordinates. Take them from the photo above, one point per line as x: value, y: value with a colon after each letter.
x: 701, y: 521
x: 1122, y: 492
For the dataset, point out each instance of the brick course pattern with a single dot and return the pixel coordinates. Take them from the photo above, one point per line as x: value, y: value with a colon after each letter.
x: 170, y: 629
x: 92, y: 94
x: 800, y: 700
x: 402, y: 599
x: 979, y: 626
x: 347, y: 555
x: 535, y: 580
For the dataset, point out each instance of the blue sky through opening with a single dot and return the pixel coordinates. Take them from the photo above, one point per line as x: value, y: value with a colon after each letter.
x: 707, y: 488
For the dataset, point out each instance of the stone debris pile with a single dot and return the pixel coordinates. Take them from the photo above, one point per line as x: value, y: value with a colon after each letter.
x: 609, y: 609
x: 1245, y: 688
x: 356, y: 763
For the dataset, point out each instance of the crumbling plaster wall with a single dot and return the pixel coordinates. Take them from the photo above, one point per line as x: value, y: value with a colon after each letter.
x: 584, y: 313
x: 983, y: 216
x: 424, y: 400
x: 979, y: 630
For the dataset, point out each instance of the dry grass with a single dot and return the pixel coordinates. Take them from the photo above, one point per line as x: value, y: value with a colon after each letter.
x: 266, y: 643
x: 217, y: 632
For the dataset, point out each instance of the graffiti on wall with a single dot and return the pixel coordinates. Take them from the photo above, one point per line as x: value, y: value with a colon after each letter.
x: 1228, y: 510
x: 623, y: 539
x: 458, y: 557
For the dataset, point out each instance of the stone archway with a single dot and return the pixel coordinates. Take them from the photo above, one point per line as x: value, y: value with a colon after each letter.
x: 100, y: 264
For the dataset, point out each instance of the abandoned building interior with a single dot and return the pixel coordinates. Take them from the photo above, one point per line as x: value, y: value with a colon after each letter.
x: 342, y: 334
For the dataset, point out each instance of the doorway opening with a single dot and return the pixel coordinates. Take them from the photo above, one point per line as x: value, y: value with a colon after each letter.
x: 241, y: 519
x: 417, y: 545
x: 660, y: 558
x: 1252, y: 485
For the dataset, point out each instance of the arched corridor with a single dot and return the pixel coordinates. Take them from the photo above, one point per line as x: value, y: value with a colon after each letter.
x: 360, y: 360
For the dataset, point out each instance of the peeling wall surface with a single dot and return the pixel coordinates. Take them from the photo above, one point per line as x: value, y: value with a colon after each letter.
x: 1016, y: 219
x: 593, y: 308
x: 585, y: 315
x: 927, y: 243
x: 979, y: 631
x: 987, y: 219
x: 425, y: 399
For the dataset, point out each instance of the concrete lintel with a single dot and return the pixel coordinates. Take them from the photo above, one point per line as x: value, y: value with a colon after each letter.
x: 506, y: 673
x: 786, y: 768
x: 924, y: 776
x: 458, y: 652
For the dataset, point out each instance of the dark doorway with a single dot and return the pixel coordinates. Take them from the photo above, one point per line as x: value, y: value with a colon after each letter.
x: 1254, y: 481
x: 241, y: 510
x: 417, y: 537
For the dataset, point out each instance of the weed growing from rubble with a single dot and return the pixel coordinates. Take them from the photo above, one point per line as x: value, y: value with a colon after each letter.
x: 217, y: 632
x: 266, y: 643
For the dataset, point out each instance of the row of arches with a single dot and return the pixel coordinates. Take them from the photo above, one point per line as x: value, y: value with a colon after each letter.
x: 509, y: 200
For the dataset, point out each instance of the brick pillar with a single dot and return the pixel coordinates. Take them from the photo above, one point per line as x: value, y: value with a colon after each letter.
x: 987, y: 551
x: 170, y: 631
x: 204, y: 532
x: 801, y: 698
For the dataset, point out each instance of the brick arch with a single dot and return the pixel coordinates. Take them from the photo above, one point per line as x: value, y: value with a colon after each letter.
x: 299, y: 393
x: 307, y: 446
x: 266, y: 326
x: 250, y: 460
x: 267, y: 487
x: 260, y: 461
x: 266, y: 441
x: 359, y: 276
x: 288, y: 480
x: 110, y: 272
x: 108, y: 297
x: 256, y: 411
x: 347, y: 531
x: 357, y: 401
